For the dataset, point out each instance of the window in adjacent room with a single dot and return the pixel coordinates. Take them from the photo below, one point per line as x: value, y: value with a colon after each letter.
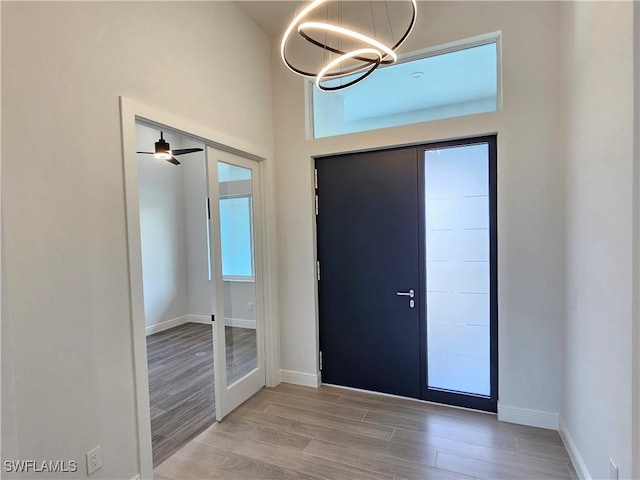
x: 235, y: 223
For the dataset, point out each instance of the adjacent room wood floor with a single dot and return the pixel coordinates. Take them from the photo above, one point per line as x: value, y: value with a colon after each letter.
x: 181, y: 388
x: 292, y: 432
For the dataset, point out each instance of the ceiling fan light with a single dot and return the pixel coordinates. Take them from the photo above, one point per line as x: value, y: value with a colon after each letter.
x: 163, y: 149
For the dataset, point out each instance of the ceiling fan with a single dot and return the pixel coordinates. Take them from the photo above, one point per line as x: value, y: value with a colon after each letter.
x: 164, y: 152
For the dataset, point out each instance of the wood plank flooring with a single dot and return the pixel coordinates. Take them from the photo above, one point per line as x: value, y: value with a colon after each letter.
x: 293, y: 432
x: 181, y: 388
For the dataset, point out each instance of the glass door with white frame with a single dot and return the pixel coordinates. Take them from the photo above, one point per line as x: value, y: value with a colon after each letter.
x: 236, y: 268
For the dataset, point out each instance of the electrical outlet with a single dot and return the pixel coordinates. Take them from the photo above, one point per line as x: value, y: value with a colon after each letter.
x: 250, y: 306
x: 613, y: 470
x: 94, y: 460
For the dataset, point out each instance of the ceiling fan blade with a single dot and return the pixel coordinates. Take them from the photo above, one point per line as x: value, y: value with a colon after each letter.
x: 173, y: 160
x: 183, y: 151
x: 148, y: 153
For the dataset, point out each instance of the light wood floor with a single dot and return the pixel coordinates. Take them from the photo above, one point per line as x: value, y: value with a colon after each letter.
x: 181, y: 388
x: 292, y: 432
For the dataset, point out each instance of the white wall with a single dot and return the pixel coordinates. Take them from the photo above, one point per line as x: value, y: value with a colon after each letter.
x: 173, y: 231
x: 9, y: 439
x: 161, y: 195
x: 635, y: 365
x: 200, y: 288
x: 530, y: 197
x: 63, y: 194
x: 8, y: 427
x: 597, y: 101
x: 237, y: 297
x: 173, y: 221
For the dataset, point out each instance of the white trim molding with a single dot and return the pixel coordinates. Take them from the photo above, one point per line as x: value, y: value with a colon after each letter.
x: 230, y: 322
x: 301, y: 378
x: 574, y: 454
x: 240, y: 322
x: 166, y: 325
x: 525, y: 416
x: 206, y: 319
x: 174, y: 322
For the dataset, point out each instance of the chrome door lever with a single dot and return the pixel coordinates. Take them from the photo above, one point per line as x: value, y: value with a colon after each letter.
x: 409, y: 294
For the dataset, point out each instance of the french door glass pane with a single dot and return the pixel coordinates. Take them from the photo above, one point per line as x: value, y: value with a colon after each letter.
x: 235, y: 221
x: 236, y: 231
x: 458, y: 268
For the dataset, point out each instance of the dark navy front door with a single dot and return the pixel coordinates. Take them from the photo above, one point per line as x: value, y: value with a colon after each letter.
x: 407, y: 246
x: 368, y: 249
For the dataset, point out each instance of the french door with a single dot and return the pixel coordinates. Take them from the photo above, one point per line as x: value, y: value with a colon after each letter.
x: 407, y: 248
x: 236, y: 273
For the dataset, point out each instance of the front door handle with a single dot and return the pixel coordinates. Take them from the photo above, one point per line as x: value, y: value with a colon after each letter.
x: 409, y: 294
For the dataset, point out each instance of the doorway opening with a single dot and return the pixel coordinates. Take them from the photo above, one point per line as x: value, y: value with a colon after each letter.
x: 177, y: 287
x: 407, y: 250
x: 229, y: 349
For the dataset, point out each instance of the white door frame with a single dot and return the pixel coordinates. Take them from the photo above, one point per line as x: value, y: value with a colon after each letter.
x: 130, y: 112
x: 229, y: 397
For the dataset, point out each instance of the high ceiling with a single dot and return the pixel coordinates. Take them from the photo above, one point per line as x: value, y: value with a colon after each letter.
x: 271, y: 16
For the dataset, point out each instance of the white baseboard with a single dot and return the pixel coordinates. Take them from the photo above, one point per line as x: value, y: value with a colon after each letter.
x: 174, y: 322
x: 525, y: 416
x: 166, y: 325
x: 574, y: 454
x: 240, y: 322
x: 300, y: 378
x: 200, y: 319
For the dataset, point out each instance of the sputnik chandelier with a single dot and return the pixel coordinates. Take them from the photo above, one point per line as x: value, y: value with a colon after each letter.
x: 330, y: 44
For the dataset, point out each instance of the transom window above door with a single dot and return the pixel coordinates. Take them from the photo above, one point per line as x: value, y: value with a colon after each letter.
x: 448, y: 81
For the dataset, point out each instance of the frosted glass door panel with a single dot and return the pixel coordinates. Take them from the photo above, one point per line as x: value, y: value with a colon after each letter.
x: 458, y: 269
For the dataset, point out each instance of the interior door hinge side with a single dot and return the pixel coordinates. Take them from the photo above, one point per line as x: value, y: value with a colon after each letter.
x: 317, y: 207
x: 318, y: 269
x: 320, y: 360
x: 315, y: 178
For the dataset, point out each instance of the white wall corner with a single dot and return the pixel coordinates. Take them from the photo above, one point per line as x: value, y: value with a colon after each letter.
x: 300, y: 378
x: 137, y: 477
x: 574, y: 454
x: 159, y: 327
x: 274, y: 377
x: 525, y: 416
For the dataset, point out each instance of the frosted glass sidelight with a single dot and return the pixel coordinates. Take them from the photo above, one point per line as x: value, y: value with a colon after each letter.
x: 451, y: 84
x: 458, y: 268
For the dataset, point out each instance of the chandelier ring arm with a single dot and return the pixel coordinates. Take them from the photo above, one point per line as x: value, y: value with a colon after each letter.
x: 371, y: 42
x: 323, y: 73
x: 285, y: 38
x: 334, y: 50
x: 384, y: 55
x: 313, y: 75
x: 412, y: 23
